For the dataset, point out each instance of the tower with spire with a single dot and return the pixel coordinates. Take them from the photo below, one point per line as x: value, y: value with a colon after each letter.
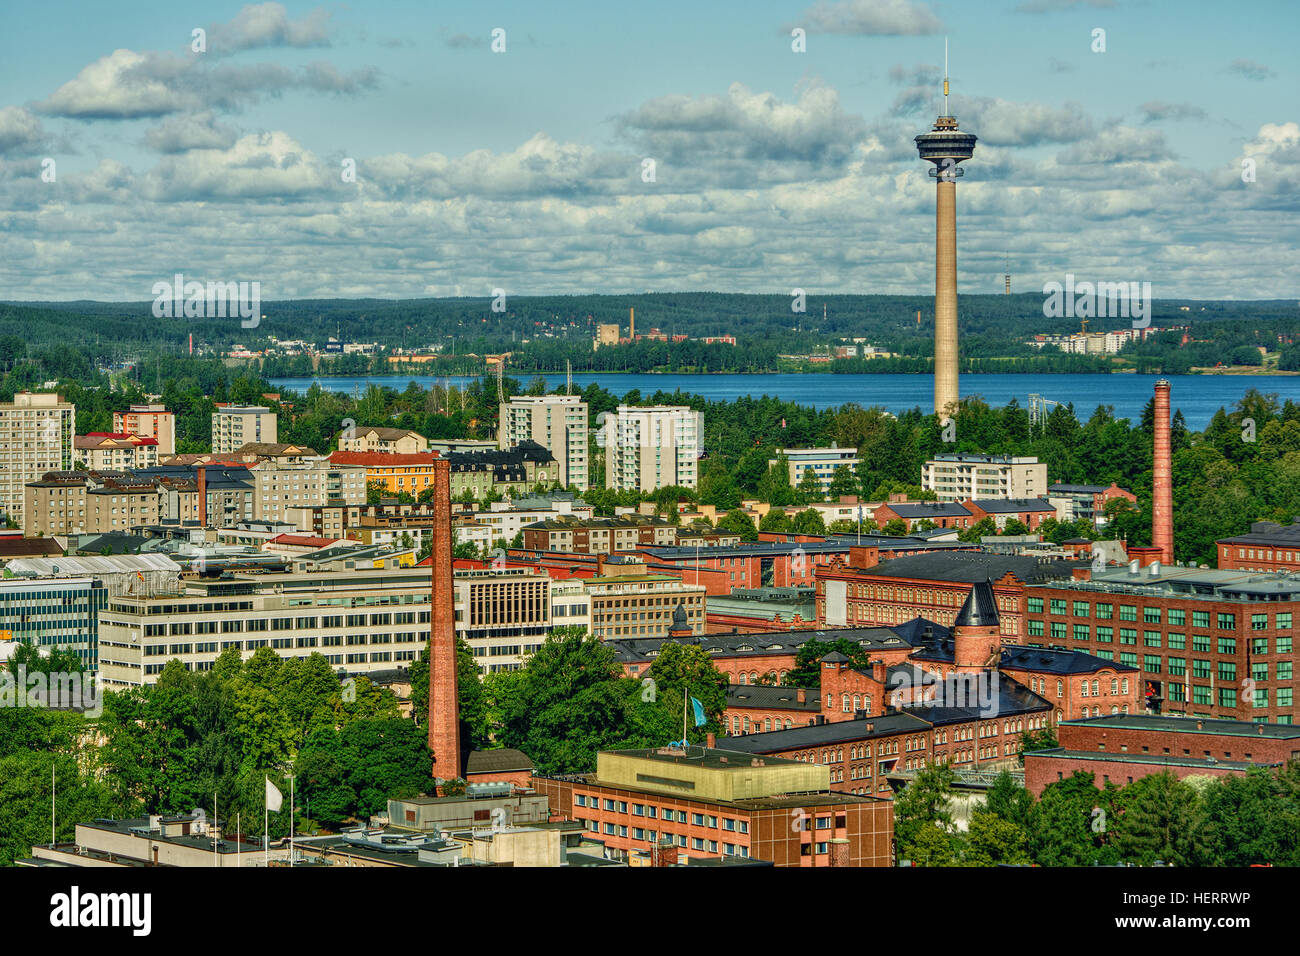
x: 977, y: 632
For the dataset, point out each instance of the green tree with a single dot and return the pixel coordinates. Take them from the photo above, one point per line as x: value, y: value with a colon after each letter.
x: 923, y: 806
x: 1163, y: 820
x: 738, y: 522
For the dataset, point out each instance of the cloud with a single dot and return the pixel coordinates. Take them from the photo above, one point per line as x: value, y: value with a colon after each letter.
x: 122, y: 85
x: 21, y: 133
x: 268, y: 25
x: 1158, y: 110
x: 746, y: 127
x: 1118, y: 144
x: 463, y: 41
x: 1000, y: 122
x: 869, y: 18
x: 1251, y: 70
x: 1060, y: 66
x: 257, y: 166
x: 923, y: 74
x: 128, y: 85
x: 177, y: 134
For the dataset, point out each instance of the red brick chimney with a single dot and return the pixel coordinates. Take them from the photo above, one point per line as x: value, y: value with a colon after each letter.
x: 444, y: 711
x: 839, y: 852
x: 202, y: 478
x: 663, y: 854
x: 1162, y: 492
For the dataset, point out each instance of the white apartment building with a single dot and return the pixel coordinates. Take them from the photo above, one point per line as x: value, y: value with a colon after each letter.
x: 36, y: 436
x: 234, y: 426
x: 277, y: 487
x: 652, y: 446
x: 116, y: 452
x: 822, y: 461
x: 959, y: 477
x: 556, y: 422
x: 149, y: 421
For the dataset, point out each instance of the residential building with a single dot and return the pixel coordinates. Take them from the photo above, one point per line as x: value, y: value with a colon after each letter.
x: 102, y: 451
x: 822, y: 461
x: 398, y: 441
x: 651, y: 447
x: 958, y: 476
x: 1087, y: 502
x: 278, y: 488
x: 236, y: 425
x: 517, y: 470
x: 598, y: 535
x: 36, y: 436
x: 556, y: 422
x: 1031, y: 512
x: 149, y: 421
x: 397, y: 473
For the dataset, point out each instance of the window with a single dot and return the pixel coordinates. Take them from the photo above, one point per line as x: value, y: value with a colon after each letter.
x: 1128, y: 635
x: 1151, y: 638
x: 1058, y: 605
x: 1258, y: 622
x: 1080, y: 608
x: 1105, y: 634
x: 1035, y: 628
x: 1177, y: 616
x: 1226, y: 622
x: 1151, y: 663
x: 1128, y: 612
x: 1201, y: 619
x: 1105, y: 611
x: 1177, y: 666
x: 1034, y: 605
x: 1177, y: 642
x: 1151, y: 615
x: 1082, y: 632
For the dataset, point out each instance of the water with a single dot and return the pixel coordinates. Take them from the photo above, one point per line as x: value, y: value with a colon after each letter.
x: 1197, y: 396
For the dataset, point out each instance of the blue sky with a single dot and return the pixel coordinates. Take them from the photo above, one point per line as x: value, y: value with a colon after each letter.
x: 522, y: 169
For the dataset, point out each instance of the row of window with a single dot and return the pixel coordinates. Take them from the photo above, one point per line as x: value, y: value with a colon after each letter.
x: 1177, y: 617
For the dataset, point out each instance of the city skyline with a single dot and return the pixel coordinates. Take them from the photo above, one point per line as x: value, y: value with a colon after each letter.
x: 774, y: 169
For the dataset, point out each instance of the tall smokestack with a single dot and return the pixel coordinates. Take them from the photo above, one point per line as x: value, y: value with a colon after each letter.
x: 202, y: 482
x: 945, y: 146
x: 444, y: 710
x: 1162, y: 491
x: 631, y: 325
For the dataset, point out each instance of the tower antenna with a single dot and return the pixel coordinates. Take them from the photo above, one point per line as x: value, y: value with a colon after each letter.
x: 945, y: 77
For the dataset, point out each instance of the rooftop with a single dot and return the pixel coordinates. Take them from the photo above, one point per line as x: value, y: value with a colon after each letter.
x: 1159, y: 723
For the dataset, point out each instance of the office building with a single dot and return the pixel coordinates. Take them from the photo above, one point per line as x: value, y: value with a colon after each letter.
x: 823, y: 462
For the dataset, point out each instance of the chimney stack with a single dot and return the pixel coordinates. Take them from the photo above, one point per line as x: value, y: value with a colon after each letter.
x: 1162, y: 492
x: 444, y: 712
x: 202, y: 477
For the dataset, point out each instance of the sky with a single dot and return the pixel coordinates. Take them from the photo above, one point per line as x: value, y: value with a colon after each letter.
x: 387, y: 149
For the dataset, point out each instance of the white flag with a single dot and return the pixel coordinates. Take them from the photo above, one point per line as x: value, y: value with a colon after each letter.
x: 274, y: 798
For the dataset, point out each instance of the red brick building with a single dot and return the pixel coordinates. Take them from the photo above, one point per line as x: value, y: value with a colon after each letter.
x: 1122, y: 749
x: 862, y: 593
x: 1030, y: 512
x: 1207, y: 643
x: 1268, y: 546
x: 710, y: 802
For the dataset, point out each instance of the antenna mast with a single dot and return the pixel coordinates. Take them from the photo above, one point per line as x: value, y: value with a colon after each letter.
x: 945, y: 77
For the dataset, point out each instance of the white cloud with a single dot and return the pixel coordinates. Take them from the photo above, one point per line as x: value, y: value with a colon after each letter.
x: 268, y: 25
x: 870, y: 18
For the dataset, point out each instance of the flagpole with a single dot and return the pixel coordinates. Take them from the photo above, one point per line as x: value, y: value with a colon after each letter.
x: 291, y: 779
x: 685, y: 705
x: 52, y: 837
x: 266, y: 832
x: 238, y: 840
x: 213, y: 834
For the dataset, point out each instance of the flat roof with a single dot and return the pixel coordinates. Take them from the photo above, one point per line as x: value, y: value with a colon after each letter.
x: 1164, y: 723
x: 1160, y: 760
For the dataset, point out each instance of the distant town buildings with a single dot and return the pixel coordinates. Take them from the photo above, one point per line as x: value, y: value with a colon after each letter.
x: 400, y: 441
x: 1086, y: 502
x: 104, y: 451
x: 1268, y: 546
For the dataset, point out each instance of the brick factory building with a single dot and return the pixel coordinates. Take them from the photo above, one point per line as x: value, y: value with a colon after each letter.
x: 1122, y: 749
x: 867, y: 592
x: 1208, y: 643
x: 1268, y: 546
x: 707, y: 802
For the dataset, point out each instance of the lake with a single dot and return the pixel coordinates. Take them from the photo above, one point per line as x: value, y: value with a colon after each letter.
x: 1197, y: 396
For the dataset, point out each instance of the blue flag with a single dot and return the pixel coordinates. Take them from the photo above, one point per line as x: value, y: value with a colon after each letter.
x: 700, y: 719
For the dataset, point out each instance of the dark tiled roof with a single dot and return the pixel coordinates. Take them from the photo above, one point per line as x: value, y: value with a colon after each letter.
x: 12, y: 547
x: 818, y: 735
x: 1068, y: 489
x: 928, y: 509
x: 971, y: 566
x: 910, y: 634
x: 979, y: 609
x: 1153, y: 759
x: 1012, y: 699
x: 504, y: 760
x: 997, y: 506
x: 776, y: 698
x: 1268, y: 532
x: 1193, y: 725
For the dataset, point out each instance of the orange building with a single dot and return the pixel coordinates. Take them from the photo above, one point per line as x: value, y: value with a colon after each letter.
x: 397, y: 473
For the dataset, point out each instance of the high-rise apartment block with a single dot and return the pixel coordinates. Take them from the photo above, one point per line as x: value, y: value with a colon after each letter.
x: 36, y: 433
x: 823, y: 461
x: 149, y: 421
x: 234, y: 426
x: 653, y: 446
x: 959, y: 477
x: 556, y: 422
